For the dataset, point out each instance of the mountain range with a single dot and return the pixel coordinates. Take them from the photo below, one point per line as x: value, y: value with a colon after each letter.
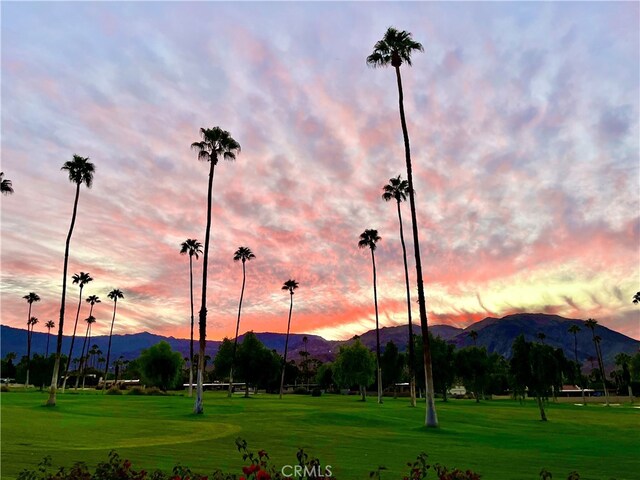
x: 496, y: 334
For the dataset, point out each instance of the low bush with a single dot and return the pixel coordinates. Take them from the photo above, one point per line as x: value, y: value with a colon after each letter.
x: 154, y: 391
x: 300, y: 391
x: 114, y: 390
x: 316, y: 392
x: 4, y: 388
x: 136, y: 391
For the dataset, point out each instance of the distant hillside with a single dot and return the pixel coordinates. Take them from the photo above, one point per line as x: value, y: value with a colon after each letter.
x: 496, y: 334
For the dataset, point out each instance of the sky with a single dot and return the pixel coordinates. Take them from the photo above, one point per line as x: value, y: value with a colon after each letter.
x: 523, y: 120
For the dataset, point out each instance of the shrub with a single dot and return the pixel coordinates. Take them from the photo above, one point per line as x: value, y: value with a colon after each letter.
x: 154, y: 391
x: 300, y: 391
x: 114, y: 390
x: 136, y: 391
x: 316, y: 392
x: 4, y: 388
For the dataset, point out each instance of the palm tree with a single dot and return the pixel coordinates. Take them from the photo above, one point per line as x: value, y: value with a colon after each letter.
x: 368, y: 239
x: 49, y: 326
x: 636, y: 298
x: 5, y: 185
x: 398, y: 189
x: 83, y: 358
x: 80, y: 279
x: 242, y: 254
x: 305, y: 341
x: 289, y: 285
x: 30, y: 324
x: 574, y: 329
x: 591, y: 324
x: 396, y: 48
x: 474, y: 336
x: 193, y: 247
x: 80, y: 171
x: 31, y: 297
x: 216, y: 143
x: 90, y: 321
x: 114, y: 295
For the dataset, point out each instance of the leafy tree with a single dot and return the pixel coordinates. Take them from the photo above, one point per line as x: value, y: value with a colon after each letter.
x: 31, y: 298
x: 80, y: 279
x: 114, y: 295
x: 498, y: 377
x: 392, y: 364
x: 591, y: 324
x: 368, y: 239
x: 192, y: 247
x: 242, y: 254
x: 161, y: 366
x: 5, y: 185
x: 41, y: 368
x: 223, y: 359
x: 398, y: 189
x: 324, y: 376
x: 49, y: 326
x: 354, y: 365
x: 7, y: 367
x: 472, y: 366
x: 442, y: 357
x: 623, y: 360
x: 215, y: 144
x: 634, y: 365
x: 290, y: 285
x: 256, y: 364
x: 80, y: 171
x: 396, y: 48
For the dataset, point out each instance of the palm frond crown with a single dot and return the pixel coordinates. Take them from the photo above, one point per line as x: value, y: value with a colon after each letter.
x: 395, y: 48
x: 81, y: 278
x: 397, y: 189
x: 290, y: 285
x: 115, y: 294
x: 80, y: 170
x: 369, y: 238
x: 32, y: 297
x: 243, y: 254
x: 191, y: 246
x: 216, y: 143
x: 6, y: 186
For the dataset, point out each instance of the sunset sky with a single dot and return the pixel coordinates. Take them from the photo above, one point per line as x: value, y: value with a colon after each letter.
x: 523, y: 119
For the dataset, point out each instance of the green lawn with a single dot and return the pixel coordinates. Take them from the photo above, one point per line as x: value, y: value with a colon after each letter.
x: 499, y: 439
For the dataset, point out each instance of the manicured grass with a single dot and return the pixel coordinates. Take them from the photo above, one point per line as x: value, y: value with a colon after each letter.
x: 499, y: 439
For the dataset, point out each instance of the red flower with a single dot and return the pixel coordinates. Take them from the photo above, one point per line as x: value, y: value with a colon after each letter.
x: 263, y: 475
x: 262, y: 453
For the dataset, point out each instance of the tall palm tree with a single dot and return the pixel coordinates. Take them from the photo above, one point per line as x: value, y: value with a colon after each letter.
x: 80, y: 171
x: 398, y: 189
x: 49, y: 326
x: 290, y: 285
x: 216, y: 143
x: 30, y: 324
x: 574, y: 329
x: 5, y: 185
x: 396, y: 48
x: 591, y: 324
x: 84, y: 354
x: 31, y: 297
x: 368, y: 239
x: 114, y: 295
x: 242, y: 254
x: 80, y: 279
x: 192, y: 247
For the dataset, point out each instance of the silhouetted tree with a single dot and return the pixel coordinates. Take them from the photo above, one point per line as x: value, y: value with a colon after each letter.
x: 114, y: 295
x: 574, y: 329
x: 474, y: 336
x: 472, y: 366
x: 5, y: 185
x: 30, y: 324
x: 242, y: 254
x: 368, y: 239
x: 216, y: 143
x: 591, y: 324
x: 541, y: 336
x: 623, y: 360
x: 290, y: 285
x: 31, y: 298
x: 392, y: 364
x: 256, y: 364
x: 636, y: 298
x: 442, y: 356
x: 80, y: 171
x: 49, y: 326
x: 396, y: 48
x: 192, y: 247
x: 398, y: 189
x: 85, y: 347
x: 80, y: 279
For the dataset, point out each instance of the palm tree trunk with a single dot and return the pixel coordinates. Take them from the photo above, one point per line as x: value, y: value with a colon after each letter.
x: 87, y: 360
x: 113, y: 320
x: 191, y: 342
x: 363, y: 393
x: 286, y: 347
x: 29, y: 330
x: 73, y: 340
x: 412, y: 372
x: 375, y: 302
x: 579, y: 370
x: 56, y: 366
x: 82, y: 358
x: 543, y: 415
x: 198, y: 407
x: 48, y: 337
x: 601, y: 366
x: 431, y: 419
x: 235, y: 341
